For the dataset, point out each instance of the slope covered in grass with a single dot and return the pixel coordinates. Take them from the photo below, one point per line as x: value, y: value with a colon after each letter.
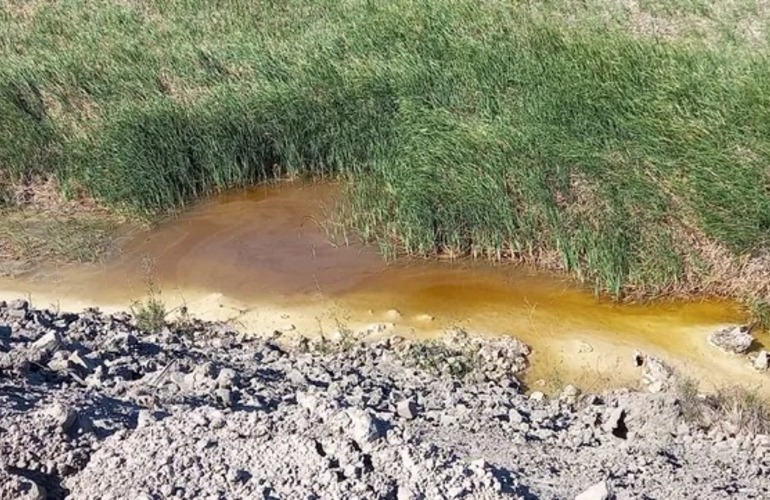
x: 628, y: 144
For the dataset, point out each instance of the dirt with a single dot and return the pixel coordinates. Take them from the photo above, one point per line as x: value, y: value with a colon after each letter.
x: 91, y: 407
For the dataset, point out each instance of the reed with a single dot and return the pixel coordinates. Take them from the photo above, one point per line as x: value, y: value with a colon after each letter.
x: 627, y: 145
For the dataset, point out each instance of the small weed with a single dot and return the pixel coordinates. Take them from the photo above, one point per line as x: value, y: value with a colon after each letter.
x: 759, y: 311
x: 346, y: 337
x: 150, y: 312
x: 690, y: 401
x: 740, y: 410
x: 743, y: 410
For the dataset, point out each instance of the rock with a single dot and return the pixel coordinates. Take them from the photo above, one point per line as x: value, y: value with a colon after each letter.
x: 762, y: 361
x: 144, y: 418
x: 514, y: 416
x: 83, y: 364
x: 363, y: 426
x: 5, y: 332
x: 64, y: 417
x: 537, y: 396
x: 48, y: 342
x: 733, y: 340
x: 407, y: 409
x: 297, y: 377
x: 20, y: 488
x: 598, y: 491
x: 657, y: 376
x: 407, y: 493
x: 615, y: 424
x: 237, y: 475
x: 569, y: 394
x: 226, y: 397
x: 201, y: 378
x: 226, y: 378
x: 58, y: 362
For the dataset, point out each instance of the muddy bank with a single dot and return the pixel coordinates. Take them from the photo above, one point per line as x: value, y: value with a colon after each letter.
x: 93, y: 408
x: 260, y: 260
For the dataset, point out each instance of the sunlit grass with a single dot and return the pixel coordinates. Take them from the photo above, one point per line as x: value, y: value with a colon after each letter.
x: 614, y: 141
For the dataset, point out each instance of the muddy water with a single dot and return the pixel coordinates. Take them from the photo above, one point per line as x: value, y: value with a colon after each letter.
x: 259, y: 258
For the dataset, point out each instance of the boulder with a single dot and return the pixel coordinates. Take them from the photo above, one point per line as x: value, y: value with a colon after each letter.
x: 598, y: 491
x: 733, y: 340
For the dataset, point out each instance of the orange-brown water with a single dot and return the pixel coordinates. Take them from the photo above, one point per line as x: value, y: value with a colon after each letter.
x: 259, y: 258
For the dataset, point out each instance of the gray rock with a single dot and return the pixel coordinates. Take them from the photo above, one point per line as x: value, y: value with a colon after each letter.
x: 363, y: 425
x: 657, y: 376
x: 569, y: 394
x: 615, y: 422
x: 762, y: 361
x: 64, y: 416
x: 537, y: 396
x: 515, y: 417
x: 297, y: 377
x: 144, y: 418
x: 83, y: 364
x: 733, y: 340
x: 237, y: 475
x: 598, y: 491
x: 226, y: 397
x: 48, y: 342
x: 226, y: 378
x: 407, y: 409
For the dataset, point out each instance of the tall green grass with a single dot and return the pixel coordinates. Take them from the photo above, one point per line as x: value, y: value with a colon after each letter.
x: 503, y: 129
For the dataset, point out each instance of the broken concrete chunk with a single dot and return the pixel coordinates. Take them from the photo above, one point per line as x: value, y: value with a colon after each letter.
x: 733, y: 340
x: 48, y: 342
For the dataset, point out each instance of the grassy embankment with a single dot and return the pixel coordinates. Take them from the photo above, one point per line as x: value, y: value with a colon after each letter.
x: 626, y: 144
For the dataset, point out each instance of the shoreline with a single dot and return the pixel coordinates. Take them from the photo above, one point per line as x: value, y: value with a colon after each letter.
x: 94, y: 408
x: 590, y: 357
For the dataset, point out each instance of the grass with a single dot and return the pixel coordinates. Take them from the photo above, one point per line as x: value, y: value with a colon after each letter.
x: 736, y: 409
x: 38, y: 226
x: 626, y: 143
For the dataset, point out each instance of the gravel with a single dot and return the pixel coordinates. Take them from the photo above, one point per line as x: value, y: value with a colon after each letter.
x: 91, y: 407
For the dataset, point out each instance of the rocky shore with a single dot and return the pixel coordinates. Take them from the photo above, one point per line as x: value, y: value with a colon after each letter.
x: 92, y: 407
